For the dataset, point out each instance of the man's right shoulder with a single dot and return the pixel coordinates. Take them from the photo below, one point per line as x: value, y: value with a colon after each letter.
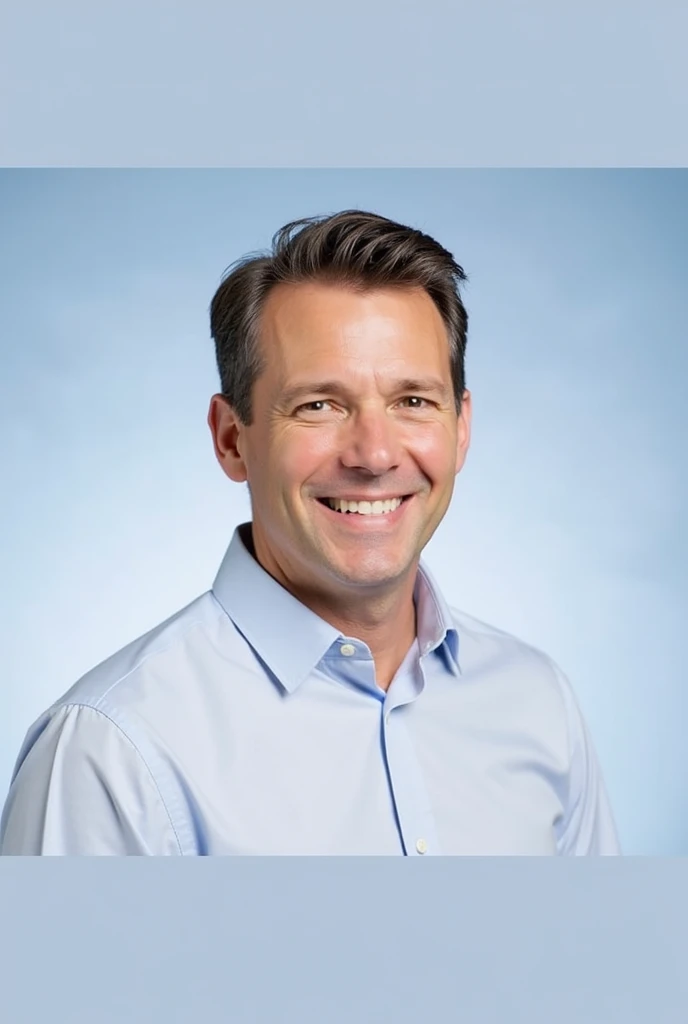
x: 165, y: 657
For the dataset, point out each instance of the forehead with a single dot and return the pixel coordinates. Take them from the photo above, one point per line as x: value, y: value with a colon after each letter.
x: 308, y: 324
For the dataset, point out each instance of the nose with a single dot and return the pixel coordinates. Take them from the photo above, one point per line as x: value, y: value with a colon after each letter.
x: 370, y: 443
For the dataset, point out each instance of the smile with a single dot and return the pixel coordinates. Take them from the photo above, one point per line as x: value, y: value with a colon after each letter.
x: 364, y: 508
x: 387, y: 511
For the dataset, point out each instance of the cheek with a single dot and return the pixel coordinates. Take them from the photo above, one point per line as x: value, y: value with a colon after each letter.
x: 434, y: 450
x: 299, y: 456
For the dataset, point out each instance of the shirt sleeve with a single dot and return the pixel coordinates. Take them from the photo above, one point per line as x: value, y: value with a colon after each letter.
x: 82, y: 788
x: 588, y: 828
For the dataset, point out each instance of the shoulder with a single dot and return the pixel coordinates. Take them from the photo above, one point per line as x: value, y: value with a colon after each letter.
x: 520, y: 687
x: 159, y: 663
x: 482, y: 639
x: 513, y: 665
x: 112, y: 730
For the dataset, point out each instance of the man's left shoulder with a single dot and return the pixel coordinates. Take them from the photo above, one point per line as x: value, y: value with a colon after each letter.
x: 487, y: 648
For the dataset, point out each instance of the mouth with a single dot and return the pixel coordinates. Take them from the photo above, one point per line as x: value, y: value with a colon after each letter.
x: 366, y: 513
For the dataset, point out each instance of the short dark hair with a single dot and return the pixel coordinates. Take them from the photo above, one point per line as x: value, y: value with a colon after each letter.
x: 353, y: 248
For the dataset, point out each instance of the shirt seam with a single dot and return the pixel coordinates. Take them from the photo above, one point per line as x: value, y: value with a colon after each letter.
x: 109, y: 718
x: 563, y: 839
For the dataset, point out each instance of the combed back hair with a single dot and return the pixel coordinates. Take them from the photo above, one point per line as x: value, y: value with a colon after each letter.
x: 356, y: 249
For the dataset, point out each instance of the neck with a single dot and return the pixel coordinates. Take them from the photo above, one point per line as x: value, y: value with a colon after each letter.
x: 385, y: 621
x: 386, y: 625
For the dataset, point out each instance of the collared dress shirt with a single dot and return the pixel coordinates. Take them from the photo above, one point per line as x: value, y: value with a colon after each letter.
x: 246, y: 724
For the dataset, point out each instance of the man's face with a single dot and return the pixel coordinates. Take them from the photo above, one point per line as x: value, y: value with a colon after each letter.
x: 356, y: 403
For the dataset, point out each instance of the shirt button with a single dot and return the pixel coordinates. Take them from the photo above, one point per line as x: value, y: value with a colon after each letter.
x: 422, y: 846
x: 347, y: 650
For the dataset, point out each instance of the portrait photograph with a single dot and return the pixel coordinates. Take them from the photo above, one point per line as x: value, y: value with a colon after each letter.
x: 344, y: 512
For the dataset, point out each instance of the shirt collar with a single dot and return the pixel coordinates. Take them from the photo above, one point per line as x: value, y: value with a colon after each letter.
x: 289, y: 637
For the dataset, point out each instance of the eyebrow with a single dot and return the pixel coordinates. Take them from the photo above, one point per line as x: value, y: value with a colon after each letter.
x: 406, y: 385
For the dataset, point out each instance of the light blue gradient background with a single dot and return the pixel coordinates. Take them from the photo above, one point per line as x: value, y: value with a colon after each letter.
x: 567, y: 526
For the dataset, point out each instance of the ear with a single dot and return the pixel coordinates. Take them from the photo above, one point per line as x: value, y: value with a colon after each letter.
x: 227, y: 433
x: 463, y: 433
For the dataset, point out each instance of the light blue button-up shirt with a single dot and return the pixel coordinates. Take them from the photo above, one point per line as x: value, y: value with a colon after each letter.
x: 246, y: 724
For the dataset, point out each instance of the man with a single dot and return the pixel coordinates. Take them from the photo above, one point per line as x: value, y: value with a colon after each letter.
x: 323, y: 698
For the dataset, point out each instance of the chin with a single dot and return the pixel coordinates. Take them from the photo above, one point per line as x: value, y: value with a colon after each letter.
x: 370, y: 575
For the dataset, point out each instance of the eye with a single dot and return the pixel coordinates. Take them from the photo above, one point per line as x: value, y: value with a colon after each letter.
x: 418, y: 402
x: 311, y: 406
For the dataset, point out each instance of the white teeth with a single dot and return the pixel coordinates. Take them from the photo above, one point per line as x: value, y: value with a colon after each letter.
x: 364, y: 508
